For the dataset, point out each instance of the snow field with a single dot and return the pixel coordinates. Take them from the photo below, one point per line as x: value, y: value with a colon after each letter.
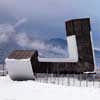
x: 33, y: 90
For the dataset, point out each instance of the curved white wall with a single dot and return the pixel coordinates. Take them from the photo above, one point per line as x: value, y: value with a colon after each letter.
x: 19, y: 69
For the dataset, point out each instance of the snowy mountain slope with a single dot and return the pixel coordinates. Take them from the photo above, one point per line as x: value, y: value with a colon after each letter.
x: 32, y: 90
x: 46, y: 49
x: 58, y: 42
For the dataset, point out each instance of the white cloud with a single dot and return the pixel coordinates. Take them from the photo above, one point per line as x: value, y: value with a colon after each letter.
x: 21, y: 21
x: 97, y: 49
x: 6, y: 33
x: 24, y: 41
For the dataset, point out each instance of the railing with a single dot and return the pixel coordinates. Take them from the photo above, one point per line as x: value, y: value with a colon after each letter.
x: 78, y: 80
x: 3, y: 71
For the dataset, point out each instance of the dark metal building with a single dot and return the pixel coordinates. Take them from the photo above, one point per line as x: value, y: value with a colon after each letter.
x: 82, y: 30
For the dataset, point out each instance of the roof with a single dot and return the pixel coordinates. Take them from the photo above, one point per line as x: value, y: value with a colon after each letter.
x: 79, y: 19
x: 22, y: 54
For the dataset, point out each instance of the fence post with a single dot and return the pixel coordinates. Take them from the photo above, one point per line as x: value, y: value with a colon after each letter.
x: 86, y: 80
x: 80, y: 79
x: 99, y: 83
x: 62, y: 79
x: 58, y: 80
x: 68, y: 81
x: 74, y: 79
x: 94, y: 76
x: 3, y: 69
x: 93, y: 80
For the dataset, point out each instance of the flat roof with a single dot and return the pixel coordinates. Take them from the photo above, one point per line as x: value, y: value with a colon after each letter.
x: 21, y: 54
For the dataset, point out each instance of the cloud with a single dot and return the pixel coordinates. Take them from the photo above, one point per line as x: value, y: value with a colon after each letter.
x: 21, y: 21
x: 6, y: 33
x: 50, y: 15
x: 24, y: 41
x: 97, y: 49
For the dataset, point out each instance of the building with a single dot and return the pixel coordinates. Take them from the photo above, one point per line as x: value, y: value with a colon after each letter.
x: 20, y: 64
x: 24, y: 64
x: 76, y: 63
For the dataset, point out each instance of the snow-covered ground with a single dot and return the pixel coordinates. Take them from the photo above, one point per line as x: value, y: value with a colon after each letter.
x: 33, y: 90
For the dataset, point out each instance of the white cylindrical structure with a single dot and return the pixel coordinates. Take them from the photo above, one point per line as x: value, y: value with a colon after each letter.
x: 19, y: 69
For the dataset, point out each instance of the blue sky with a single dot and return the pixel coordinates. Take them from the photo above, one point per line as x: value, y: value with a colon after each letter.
x: 45, y: 18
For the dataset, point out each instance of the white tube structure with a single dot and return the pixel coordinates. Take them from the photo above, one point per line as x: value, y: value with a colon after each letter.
x: 19, y: 69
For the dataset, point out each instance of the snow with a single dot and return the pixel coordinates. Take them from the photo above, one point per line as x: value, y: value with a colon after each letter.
x: 19, y: 68
x: 32, y: 90
x: 56, y: 59
x: 72, y: 47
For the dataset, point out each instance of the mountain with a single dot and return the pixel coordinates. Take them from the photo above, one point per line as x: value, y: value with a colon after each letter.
x: 58, y: 49
x: 59, y: 46
x: 58, y: 42
x: 97, y: 52
x: 52, y: 54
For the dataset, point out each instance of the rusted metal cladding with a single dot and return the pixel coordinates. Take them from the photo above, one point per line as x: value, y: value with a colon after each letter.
x: 81, y: 29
